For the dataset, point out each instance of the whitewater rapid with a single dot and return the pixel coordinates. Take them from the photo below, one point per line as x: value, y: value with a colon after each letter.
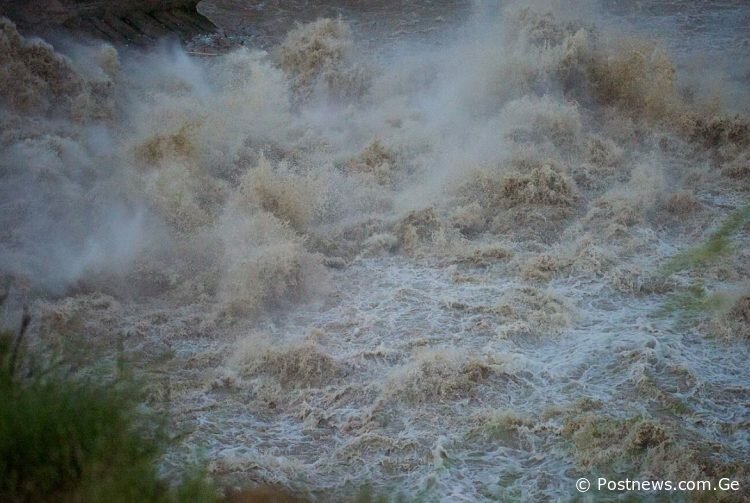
x: 443, y: 269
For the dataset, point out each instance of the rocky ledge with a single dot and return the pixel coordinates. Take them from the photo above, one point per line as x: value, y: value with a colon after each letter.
x: 129, y: 22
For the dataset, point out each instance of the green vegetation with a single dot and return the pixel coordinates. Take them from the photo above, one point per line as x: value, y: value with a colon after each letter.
x: 694, y: 300
x: 67, y: 438
x: 716, y: 246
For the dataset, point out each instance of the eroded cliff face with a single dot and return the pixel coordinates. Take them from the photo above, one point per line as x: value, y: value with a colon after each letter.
x: 132, y: 22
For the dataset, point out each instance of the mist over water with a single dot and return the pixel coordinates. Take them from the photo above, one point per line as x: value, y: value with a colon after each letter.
x: 436, y: 261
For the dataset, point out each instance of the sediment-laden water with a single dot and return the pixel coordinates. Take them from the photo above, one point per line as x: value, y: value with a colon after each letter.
x: 472, y: 252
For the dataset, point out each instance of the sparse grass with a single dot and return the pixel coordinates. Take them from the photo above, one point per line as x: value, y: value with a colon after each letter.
x: 718, y: 244
x: 695, y: 300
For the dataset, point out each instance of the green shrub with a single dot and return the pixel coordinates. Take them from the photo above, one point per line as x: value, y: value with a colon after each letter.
x: 67, y: 438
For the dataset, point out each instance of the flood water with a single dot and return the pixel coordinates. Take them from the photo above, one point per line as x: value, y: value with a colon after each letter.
x: 449, y: 250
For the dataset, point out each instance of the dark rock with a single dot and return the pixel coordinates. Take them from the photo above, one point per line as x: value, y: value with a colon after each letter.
x: 128, y: 22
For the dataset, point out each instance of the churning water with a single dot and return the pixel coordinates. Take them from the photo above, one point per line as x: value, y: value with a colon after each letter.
x: 431, y: 250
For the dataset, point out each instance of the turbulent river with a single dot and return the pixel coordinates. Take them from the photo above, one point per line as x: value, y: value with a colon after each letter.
x: 463, y: 251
